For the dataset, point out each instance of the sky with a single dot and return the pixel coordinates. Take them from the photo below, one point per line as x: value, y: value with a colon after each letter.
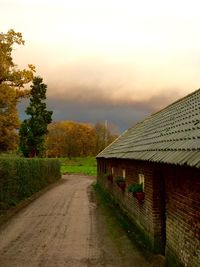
x: 108, y: 60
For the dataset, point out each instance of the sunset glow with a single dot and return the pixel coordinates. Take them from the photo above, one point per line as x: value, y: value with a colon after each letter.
x: 136, y: 55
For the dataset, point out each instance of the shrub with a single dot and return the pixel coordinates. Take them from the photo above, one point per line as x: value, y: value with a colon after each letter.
x: 20, y: 178
x: 135, y: 187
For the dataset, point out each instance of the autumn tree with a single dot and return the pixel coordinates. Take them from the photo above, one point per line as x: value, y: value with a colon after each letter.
x: 12, y: 82
x: 33, y: 130
x: 55, y: 140
x: 71, y: 139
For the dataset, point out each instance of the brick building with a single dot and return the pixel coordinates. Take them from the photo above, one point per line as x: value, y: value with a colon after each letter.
x: 163, y: 154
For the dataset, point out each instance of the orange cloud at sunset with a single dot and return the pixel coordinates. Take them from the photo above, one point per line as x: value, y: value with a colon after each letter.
x: 137, y: 54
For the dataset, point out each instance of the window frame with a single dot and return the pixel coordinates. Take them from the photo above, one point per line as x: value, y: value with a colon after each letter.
x: 141, y: 179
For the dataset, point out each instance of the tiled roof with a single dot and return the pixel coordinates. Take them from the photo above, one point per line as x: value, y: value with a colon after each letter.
x: 171, y: 135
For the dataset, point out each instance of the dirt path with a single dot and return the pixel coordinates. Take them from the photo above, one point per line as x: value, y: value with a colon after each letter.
x: 64, y: 228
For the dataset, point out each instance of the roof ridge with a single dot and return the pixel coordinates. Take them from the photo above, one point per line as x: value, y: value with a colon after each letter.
x: 170, y: 135
x: 156, y: 112
x: 178, y: 100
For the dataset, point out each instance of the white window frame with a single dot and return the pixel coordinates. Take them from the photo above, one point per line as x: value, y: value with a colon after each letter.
x: 141, y: 180
x: 124, y: 173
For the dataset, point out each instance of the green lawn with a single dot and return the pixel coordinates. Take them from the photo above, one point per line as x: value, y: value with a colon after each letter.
x: 83, y: 165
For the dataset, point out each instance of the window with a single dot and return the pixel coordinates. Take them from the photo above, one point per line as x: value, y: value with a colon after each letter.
x: 112, y: 170
x: 141, y: 179
x: 124, y: 173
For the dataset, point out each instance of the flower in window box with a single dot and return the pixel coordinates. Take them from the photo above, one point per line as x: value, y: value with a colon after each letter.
x: 137, y: 190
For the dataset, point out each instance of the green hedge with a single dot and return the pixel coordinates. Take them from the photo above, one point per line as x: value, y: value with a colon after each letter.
x: 20, y: 178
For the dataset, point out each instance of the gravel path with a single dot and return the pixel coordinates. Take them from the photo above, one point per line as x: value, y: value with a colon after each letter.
x: 64, y: 227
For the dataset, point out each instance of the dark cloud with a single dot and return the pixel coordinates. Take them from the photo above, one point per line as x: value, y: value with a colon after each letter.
x: 122, y: 116
x: 99, y: 89
x: 95, y: 106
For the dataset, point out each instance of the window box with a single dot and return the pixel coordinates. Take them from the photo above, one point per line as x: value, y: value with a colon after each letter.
x: 139, y: 196
x: 109, y: 177
x: 137, y: 190
x: 120, y: 181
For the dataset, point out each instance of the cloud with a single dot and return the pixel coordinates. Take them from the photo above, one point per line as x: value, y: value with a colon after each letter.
x: 103, y: 92
x: 100, y: 107
x: 100, y: 81
x: 122, y: 116
x: 98, y: 90
x: 97, y: 96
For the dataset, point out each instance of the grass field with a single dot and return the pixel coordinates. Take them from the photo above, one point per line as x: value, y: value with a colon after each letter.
x: 85, y: 165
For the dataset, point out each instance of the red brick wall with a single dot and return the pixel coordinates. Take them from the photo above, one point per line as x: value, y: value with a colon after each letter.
x: 183, y: 215
x: 141, y: 213
x: 169, y: 191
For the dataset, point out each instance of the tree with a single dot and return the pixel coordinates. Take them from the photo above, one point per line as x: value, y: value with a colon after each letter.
x: 105, y: 134
x: 72, y: 139
x: 12, y: 81
x: 33, y: 130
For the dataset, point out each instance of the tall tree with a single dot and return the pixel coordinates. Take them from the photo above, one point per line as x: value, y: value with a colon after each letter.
x: 33, y: 130
x: 12, y: 81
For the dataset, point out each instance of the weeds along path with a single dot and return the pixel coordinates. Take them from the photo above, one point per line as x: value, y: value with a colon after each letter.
x: 63, y: 227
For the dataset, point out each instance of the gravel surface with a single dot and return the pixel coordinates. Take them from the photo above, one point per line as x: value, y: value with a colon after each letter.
x: 64, y: 227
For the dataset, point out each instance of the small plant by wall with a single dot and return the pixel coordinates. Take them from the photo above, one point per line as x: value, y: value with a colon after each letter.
x: 137, y: 190
x: 20, y: 178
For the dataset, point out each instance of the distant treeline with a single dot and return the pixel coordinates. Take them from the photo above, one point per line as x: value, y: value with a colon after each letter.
x: 73, y: 139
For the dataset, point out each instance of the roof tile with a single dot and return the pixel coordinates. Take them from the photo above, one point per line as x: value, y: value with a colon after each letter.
x: 171, y: 135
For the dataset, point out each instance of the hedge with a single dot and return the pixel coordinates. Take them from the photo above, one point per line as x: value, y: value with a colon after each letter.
x: 20, y: 178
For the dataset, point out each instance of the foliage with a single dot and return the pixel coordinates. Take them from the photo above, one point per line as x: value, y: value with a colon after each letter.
x: 119, y: 179
x: 20, y: 178
x: 83, y: 165
x: 8, y: 118
x: 73, y: 139
x: 12, y: 81
x: 32, y: 131
x: 135, y: 187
